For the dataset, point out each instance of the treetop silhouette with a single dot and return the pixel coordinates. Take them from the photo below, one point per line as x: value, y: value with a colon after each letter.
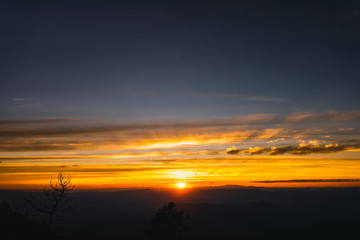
x: 168, y: 223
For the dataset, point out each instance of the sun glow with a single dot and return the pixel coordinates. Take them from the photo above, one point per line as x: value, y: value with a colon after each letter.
x: 180, y: 185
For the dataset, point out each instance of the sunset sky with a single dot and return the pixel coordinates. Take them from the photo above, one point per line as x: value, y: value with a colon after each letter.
x: 160, y: 94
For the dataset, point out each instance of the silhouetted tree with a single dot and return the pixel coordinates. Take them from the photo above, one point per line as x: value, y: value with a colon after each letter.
x: 167, y: 224
x: 53, y: 200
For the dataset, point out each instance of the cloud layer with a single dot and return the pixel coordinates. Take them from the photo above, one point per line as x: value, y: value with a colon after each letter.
x: 254, y: 134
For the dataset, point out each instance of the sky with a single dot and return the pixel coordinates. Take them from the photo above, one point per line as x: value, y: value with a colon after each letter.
x: 156, y: 93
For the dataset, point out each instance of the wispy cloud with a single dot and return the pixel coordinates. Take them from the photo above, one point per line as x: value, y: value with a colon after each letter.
x: 39, y: 121
x: 332, y: 116
x: 254, y: 119
x: 251, y: 127
x: 265, y: 99
x: 235, y: 96
x: 21, y: 99
x: 251, y: 135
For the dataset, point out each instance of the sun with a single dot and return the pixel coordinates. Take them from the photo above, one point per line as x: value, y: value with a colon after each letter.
x: 180, y: 185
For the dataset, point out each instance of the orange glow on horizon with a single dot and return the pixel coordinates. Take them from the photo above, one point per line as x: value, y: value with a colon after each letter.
x: 216, y: 153
x: 180, y: 185
x: 193, y: 173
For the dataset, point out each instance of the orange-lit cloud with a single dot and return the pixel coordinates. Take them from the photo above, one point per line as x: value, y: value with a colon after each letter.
x: 235, y: 150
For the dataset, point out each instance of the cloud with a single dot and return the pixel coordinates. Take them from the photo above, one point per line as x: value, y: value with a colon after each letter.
x: 329, y: 116
x: 207, y: 95
x: 232, y: 150
x: 302, y: 149
x: 35, y: 146
x: 265, y: 99
x: 87, y: 126
x: 210, y: 95
x: 276, y: 140
x: 264, y: 134
x: 81, y: 168
x: 307, y: 180
x: 346, y: 129
x: 255, y: 150
x: 22, y: 99
x: 232, y: 96
x: 214, y: 135
x: 39, y: 121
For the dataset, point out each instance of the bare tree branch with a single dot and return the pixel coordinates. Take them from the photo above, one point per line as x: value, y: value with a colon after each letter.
x: 53, y: 201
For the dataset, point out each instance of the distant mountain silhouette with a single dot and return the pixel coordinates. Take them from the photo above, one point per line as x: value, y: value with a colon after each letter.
x: 231, y: 213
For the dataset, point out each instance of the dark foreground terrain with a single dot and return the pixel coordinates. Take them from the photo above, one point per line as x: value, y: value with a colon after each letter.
x: 226, y: 213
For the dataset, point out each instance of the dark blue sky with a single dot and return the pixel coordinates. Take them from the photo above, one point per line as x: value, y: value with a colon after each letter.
x: 177, y: 59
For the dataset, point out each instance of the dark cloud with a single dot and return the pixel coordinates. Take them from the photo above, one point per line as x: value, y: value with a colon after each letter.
x: 52, y: 131
x: 89, y: 126
x: 90, y: 134
x: 82, y: 169
x: 297, y: 150
x: 50, y: 157
x: 36, y: 147
x: 21, y: 128
x: 38, y: 121
x: 307, y: 180
x: 233, y: 151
